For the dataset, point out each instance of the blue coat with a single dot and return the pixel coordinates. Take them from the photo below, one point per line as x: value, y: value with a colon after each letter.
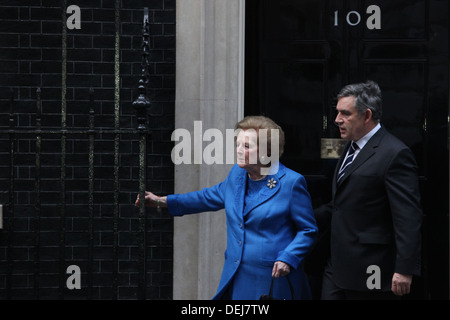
x: 279, y: 227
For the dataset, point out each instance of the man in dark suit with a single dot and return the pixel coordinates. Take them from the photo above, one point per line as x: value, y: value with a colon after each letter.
x: 376, y: 217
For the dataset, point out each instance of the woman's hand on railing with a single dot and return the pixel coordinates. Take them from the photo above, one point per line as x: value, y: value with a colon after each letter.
x: 152, y: 200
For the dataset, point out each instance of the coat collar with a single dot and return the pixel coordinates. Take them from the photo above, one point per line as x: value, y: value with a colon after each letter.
x: 272, y: 187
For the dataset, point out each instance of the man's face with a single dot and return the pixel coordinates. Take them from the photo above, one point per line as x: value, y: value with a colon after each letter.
x: 351, y: 124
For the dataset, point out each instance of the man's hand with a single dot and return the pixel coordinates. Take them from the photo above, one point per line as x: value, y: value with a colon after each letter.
x: 401, y: 284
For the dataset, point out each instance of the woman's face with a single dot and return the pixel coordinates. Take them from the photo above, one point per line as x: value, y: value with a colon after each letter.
x: 247, y: 148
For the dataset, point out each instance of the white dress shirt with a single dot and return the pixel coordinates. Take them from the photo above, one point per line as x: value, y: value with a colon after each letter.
x: 362, y: 142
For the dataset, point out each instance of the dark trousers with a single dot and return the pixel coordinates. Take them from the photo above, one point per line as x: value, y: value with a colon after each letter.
x: 330, y: 291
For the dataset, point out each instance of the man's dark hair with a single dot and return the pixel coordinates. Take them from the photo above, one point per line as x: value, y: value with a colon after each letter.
x: 367, y: 96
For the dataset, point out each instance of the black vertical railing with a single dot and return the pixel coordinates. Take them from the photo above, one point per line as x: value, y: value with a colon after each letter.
x: 91, y: 192
x: 62, y: 200
x: 116, y: 145
x: 37, y: 193
x: 10, y: 211
x: 141, y: 104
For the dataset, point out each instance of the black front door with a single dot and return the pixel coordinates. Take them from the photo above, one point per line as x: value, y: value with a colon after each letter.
x: 299, y: 54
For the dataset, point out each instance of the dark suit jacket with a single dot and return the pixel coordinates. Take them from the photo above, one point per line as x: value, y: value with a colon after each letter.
x: 376, y: 215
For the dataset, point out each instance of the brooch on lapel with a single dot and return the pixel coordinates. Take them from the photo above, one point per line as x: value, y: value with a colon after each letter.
x: 271, y: 183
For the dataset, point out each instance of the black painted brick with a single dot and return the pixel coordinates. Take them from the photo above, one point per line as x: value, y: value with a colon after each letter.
x: 30, y: 58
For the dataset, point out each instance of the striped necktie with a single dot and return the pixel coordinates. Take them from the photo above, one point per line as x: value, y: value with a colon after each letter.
x: 348, y: 160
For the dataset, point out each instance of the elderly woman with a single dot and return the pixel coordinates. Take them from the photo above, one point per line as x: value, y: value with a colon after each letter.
x: 270, y: 220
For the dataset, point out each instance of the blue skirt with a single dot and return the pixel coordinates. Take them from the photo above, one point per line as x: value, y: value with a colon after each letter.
x: 250, y: 282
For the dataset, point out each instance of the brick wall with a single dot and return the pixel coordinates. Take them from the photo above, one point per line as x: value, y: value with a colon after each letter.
x: 35, y: 250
